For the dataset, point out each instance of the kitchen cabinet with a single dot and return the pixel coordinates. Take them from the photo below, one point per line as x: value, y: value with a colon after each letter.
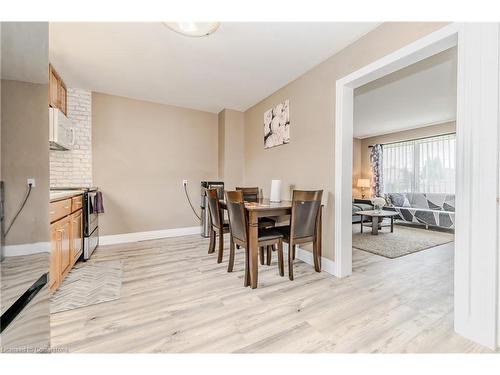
x: 65, y: 240
x: 76, y: 235
x: 66, y: 235
x: 59, y: 209
x: 54, y: 274
x: 63, y: 97
x: 58, y: 95
x: 53, y: 88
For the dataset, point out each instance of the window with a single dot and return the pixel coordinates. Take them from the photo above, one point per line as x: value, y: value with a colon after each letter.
x: 420, y: 166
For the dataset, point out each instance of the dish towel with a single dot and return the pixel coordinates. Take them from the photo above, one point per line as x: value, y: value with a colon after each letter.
x: 98, y: 205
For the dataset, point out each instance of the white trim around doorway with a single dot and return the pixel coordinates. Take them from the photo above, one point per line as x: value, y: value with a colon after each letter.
x: 476, y: 233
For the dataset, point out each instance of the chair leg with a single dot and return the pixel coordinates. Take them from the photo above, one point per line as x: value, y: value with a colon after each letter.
x: 261, y: 255
x: 293, y: 252
x: 211, y: 246
x: 247, y: 268
x: 221, y: 246
x: 290, y: 263
x: 231, y: 255
x: 281, y: 266
x: 269, y: 255
x: 317, y: 266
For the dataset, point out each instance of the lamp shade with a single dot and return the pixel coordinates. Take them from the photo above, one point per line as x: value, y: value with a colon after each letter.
x: 363, y: 183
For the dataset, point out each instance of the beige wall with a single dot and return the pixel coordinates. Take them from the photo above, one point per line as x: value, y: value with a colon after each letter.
x: 356, y: 166
x: 308, y: 160
x: 231, y: 148
x: 141, y: 153
x: 221, y: 121
x: 25, y: 154
x: 406, y: 135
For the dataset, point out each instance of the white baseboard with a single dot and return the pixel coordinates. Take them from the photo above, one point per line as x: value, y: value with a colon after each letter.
x: 150, y: 235
x: 327, y: 265
x: 26, y: 249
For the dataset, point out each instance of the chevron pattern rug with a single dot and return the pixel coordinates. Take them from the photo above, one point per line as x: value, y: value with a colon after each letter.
x: 88, y: 284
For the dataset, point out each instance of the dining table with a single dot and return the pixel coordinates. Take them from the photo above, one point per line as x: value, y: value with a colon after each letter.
x: 263, y: 207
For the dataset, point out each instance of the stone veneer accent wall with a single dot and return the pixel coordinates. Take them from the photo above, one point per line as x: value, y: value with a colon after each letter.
x: 74, y: 168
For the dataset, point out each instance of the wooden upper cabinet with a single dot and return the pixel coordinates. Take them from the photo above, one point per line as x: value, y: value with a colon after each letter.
x: 53, y: 88
x: 63, y: 95
x: 57, y: 91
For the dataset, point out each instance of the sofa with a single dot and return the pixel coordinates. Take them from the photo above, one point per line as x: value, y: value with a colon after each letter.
x: 431, y: 209
x: 360, y: 205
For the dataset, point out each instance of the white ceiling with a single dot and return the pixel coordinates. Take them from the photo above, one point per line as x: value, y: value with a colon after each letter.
x: 422, y: 94
x: 236, y: 67
x: 24, y: 51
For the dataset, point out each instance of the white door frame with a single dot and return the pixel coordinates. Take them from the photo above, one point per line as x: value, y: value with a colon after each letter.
x: 476, y: 221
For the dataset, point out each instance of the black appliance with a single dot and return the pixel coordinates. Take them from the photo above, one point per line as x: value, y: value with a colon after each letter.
x: 91, y: 223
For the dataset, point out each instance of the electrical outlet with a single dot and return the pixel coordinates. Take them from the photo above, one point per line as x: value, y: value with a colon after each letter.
x: 184, y: 182
x: 31, y: 181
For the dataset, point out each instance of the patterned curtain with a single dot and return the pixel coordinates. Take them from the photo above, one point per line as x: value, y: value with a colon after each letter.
x: 376, y: 165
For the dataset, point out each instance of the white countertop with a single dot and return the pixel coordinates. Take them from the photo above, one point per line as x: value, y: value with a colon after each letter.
x: 61, y: 194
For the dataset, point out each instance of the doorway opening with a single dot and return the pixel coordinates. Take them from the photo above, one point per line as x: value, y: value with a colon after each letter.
x: 404, y: 162
x: 475, y: 274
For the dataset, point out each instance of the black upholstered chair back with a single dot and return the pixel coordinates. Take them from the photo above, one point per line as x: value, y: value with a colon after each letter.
x: 237, y: 215
x: 250, y: 194
x: 305, y: 210
x: 214, y: 208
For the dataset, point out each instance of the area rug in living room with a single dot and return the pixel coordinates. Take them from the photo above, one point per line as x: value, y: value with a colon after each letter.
x: 403, y: 241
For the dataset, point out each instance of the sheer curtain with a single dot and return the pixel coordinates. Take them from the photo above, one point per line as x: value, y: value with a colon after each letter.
x: 420, y: 166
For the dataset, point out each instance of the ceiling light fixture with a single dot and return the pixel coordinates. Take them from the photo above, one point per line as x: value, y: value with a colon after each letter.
x: 194, y: 29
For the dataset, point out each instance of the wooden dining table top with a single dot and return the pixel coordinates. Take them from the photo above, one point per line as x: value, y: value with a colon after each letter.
x: 263, y: 204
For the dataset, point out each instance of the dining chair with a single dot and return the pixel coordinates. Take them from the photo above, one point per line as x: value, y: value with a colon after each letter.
x: 305, y: 222
x: 251, y: 194
x: 217, y: 224
x: 238, y: 226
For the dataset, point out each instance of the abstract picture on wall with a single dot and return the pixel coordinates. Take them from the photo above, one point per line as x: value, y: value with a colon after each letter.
x: 277, y: 125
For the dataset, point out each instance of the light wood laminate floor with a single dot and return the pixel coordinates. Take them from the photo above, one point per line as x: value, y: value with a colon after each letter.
x: 176, y: 298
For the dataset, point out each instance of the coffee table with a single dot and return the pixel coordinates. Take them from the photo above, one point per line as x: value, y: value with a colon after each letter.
x: 377, y: 217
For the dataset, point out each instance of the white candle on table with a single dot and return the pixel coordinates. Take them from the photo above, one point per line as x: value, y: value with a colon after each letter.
x: 275, y: 191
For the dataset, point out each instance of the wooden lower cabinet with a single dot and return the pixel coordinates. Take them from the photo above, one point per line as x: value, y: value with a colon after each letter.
x: 76, y: 235
x: 66, y: 236
x: 65, y: 246
x: 55, y: 243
